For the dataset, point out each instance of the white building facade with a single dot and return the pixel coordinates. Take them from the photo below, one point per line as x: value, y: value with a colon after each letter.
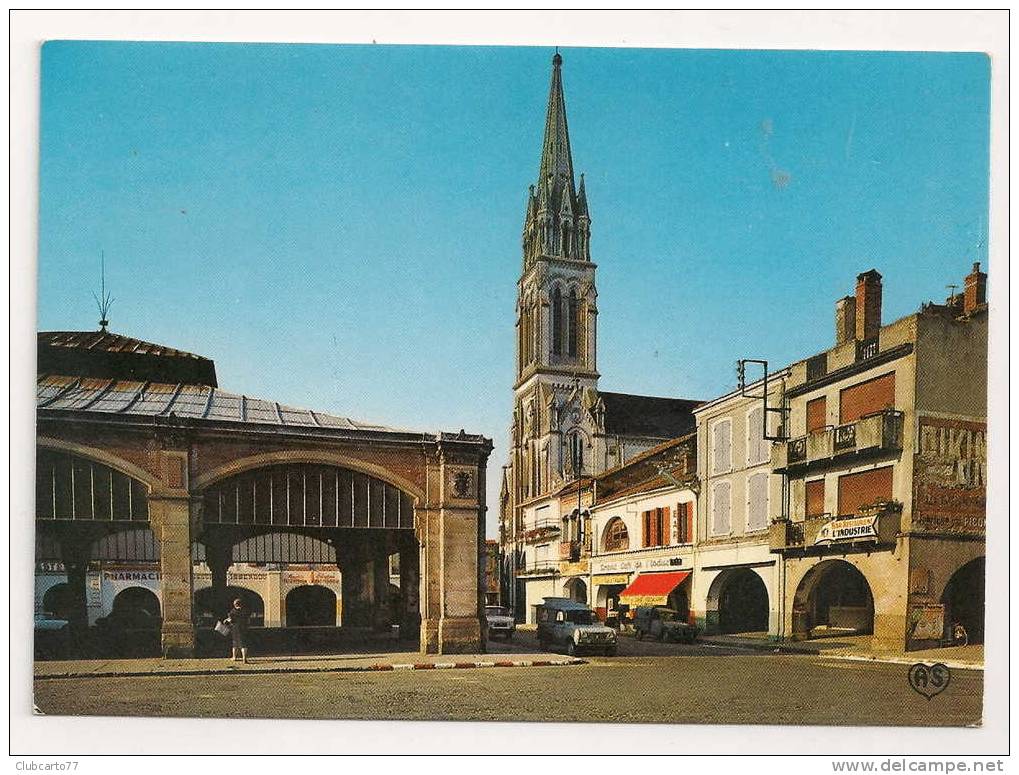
x: 737, y: 580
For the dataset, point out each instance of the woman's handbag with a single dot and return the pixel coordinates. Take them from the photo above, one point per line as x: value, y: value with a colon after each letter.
x: 223, y: 629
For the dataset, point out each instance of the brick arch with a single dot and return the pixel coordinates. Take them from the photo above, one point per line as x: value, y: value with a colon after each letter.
x: 322, y: 457
x: 98, y: 455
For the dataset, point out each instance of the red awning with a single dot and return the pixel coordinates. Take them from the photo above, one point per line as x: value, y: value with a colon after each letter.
x: 652, y: 588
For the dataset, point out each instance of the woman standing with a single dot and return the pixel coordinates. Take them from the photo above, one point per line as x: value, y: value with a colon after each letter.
x: 238, y: 620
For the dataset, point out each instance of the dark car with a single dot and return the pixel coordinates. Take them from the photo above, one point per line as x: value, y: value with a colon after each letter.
x: 565, y: 623
x: 662, y: 624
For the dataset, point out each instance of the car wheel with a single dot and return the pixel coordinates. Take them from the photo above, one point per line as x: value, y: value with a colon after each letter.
x: 509, y: 637
x: 662, y: 636
x: 639, y: 635
x: 571, y: 648
x: 610, y: 651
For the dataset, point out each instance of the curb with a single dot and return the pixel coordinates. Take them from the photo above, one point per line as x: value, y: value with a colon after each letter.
x: 818, y: 652
x: 374, y: 668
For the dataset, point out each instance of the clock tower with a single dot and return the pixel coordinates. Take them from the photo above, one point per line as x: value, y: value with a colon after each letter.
x: 557, y: 414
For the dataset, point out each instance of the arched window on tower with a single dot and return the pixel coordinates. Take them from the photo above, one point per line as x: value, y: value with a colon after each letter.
x: 574, y: 320
x: 557, y: 321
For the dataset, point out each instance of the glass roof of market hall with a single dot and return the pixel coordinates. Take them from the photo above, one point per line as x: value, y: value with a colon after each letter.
x: 110, y: 374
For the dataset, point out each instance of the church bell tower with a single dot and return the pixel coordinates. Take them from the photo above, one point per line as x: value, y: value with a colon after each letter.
x: 557, y: 414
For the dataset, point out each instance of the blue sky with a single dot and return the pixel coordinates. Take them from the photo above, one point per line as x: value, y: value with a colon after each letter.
x: 339, y: 226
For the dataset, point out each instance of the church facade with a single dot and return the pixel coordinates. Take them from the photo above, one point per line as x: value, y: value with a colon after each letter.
x: 563, y: 427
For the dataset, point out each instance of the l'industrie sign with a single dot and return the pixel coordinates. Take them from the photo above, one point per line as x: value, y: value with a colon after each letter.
x: 852, y: 529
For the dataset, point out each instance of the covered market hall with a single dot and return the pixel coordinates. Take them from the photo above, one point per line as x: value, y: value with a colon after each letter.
x: 171, y: 497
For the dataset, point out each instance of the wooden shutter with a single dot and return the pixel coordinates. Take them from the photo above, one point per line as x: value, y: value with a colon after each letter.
x: 815, y: 498
x: 666, y: 532
x: 757, y: 502
x: 817, y: 414
x: 755, y: 435
x: 720, y: 508
x: 864, y: 489
x: 645, y: 531
x: 689, y: 523
x: 721, y: 441
x: 867, y: 398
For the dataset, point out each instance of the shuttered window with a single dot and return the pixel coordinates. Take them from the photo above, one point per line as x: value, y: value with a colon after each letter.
x: 758, y: 450
x: 815, y: 498
x: 817, y: 414
x: 684, y: 523
x: 864, y: 489
x: 721, y: 443
x: 655, y: 530
x: 757, y: 502
x: 721, y: 508
x: 867, y: 398
x: 616, y: 537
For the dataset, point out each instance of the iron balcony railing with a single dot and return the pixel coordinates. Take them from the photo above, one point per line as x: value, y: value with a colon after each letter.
x: 873, y: 434
x: 542, y: 530
x: 785, y: 534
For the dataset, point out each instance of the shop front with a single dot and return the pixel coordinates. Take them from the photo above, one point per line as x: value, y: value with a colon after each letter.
x: 669, y: 589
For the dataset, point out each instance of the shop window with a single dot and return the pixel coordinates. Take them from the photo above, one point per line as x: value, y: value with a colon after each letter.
x: 721, y: 508
x: 757, y: 502
x: 817, y: 414
x: 868, y: 397
x: 815, y: 498
x: 617, y: 539
x: 864, y: 489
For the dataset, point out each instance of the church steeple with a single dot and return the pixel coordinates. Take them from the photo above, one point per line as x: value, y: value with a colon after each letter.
x: 556, y: 159
x: 557, y: 223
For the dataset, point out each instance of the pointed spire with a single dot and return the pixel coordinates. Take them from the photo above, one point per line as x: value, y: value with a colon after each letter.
x: 556, y: 159
x: 582, y: 197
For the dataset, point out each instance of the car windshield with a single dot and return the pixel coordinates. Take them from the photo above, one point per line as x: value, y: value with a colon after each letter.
x: 580, y: 617
x: 494, y: 610
x: 667, y: 616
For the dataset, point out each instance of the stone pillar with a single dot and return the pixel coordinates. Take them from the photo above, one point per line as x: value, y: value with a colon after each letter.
x: 353, y: 590
x: 219, y: 557
x: 74, y: 555
x: 170, y: 518
x: 380, y: 608
x: 448, y: 529
x: 410, y: 582
x: 273, y: 598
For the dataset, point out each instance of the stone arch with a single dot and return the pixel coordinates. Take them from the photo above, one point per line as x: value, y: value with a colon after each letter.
x: 310, y: 605
x: 576, y: 589
x: 836, y: 597
x: 205, y: 608
x: 136, y: 608
x: 737, y: 601
x: 98, y: 455
x: 58, y: 600
x: 963, y: 598
x: 313, y: 457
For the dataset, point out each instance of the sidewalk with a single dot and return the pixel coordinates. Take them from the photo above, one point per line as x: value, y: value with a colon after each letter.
x: 340, y: 663
x: 856, y: 648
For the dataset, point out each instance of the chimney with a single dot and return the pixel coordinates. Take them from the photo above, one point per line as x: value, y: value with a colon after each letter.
x: 975, y: 292
x: 868, y: 304
x: 845, y: 320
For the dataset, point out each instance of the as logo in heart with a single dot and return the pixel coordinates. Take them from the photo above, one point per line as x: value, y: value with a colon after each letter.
x: 929, y: 680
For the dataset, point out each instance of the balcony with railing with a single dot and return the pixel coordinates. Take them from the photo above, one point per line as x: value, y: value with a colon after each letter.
x: 874, y: 434
x: 877, y: 524
x: 539, y: 567
x: 542, y: 530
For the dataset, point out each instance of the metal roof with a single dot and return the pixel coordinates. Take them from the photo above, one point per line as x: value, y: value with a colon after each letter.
x: 196, y: 402
x: 105, y: 341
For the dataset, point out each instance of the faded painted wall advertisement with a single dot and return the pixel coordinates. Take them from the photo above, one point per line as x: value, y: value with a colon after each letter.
x: 950, y: 476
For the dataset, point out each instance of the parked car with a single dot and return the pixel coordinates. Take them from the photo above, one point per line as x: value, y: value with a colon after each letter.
x: 565, y: 623
x: 662, y: 624
x: 500, y: 622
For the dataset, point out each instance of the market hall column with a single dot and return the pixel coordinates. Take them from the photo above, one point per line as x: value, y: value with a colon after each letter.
x: 449, y: 528
x: 170, y: 517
